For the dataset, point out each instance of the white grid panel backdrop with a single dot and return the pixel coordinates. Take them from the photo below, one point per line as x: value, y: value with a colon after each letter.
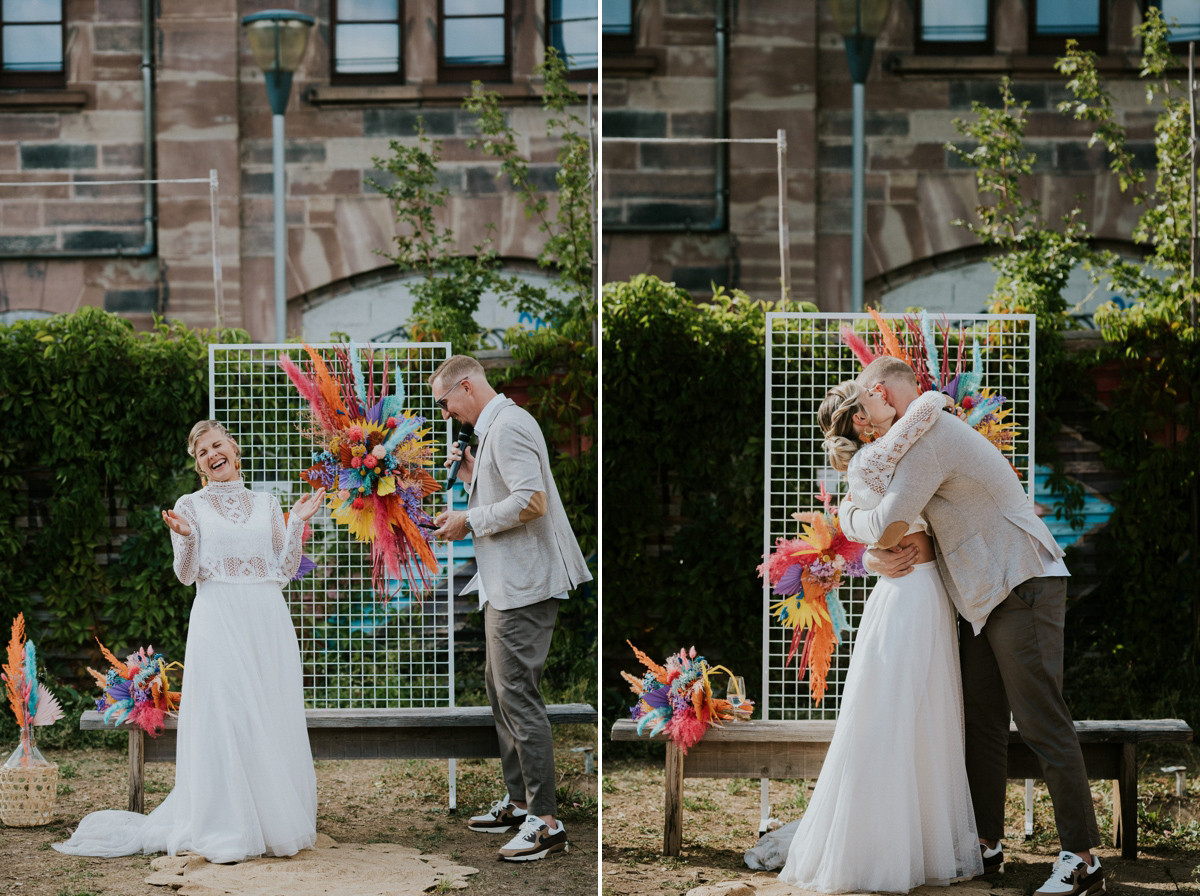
x: 358, y: 651
x: 805, y: 359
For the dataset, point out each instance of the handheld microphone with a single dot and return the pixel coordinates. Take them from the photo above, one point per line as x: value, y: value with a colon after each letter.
x: 464, y: 435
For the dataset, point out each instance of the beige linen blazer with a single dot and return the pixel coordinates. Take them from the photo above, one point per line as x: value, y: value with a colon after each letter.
x: 983, y: 522
x: 524, y: 546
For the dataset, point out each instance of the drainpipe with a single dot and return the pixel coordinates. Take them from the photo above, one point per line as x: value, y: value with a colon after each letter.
x: 721, y: 120
x: 148, y: 247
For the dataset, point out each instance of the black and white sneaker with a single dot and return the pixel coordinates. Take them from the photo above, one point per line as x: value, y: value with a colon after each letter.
x: 993, y: 859
x: 1073, y: 877
x: 500, y: 819
x: 535, y: 840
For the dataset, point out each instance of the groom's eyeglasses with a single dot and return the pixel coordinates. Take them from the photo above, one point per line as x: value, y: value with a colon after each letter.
x: 441, y: 402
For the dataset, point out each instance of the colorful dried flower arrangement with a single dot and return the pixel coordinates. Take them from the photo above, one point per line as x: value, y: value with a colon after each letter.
x: 806, y: 572
x: 372, y: 461
x: 30, y: 700
x: 138, y: 689
x: 677, y: 698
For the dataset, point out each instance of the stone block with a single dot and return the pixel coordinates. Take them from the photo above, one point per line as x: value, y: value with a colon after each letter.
x: 963, y: 93
x: 700, y: 278
x: 658, y: 184
x: 20, y: 216
x: 324, y: 181
x: 835, y: 155
x: 619, y: 156
x: 676, y: 156
x: 693, y: 124
x: 896, y: 155
x: 114, y: 213
x: 1074, y: 158
x: 875, y: 124
x: 634, y: 123
x: 26, y: 126
x: 102, y: 239
x: 689, y: 61
x: 683, y: 31
x: 120, y: 155
x: 392, y: 122
x: 295, y: 151
x: 131, y: 301
x: 113, y: 38
x: 58, y: 156
x: 257, y: 183
x: 481, y: 179
x: 26, y: 243
x: 680, y: 214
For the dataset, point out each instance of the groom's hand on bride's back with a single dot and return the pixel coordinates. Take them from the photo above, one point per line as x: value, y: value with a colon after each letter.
x: 891, y: 562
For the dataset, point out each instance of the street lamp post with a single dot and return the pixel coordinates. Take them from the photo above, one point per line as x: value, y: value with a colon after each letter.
x: 859, y: 23
x: 278, y: 38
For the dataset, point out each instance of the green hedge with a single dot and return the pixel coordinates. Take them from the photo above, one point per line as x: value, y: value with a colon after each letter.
x: 683, y: 443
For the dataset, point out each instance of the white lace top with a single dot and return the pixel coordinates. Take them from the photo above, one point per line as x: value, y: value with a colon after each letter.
x: 871, y: 469
x: 237, y: 536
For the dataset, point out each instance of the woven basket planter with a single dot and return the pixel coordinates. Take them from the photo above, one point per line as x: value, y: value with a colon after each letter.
x: 27, y: 795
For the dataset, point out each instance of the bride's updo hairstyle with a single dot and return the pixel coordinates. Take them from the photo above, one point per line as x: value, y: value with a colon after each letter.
x: 200, y: 429
x: 836, y: 419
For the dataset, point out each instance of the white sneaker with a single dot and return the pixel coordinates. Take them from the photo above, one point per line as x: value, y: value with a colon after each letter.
x: 500, y: 819
x: 1071, y: 876
x: 535, y: 840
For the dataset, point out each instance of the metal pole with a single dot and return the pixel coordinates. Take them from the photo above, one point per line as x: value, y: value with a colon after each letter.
x: 785, y: 277
x: 218, y: 286
x: 280, y: 231
x: 856, y: 246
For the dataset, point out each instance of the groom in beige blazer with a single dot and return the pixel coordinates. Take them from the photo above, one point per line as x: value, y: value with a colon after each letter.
x: 528, y: 560
x: 1005, y: 574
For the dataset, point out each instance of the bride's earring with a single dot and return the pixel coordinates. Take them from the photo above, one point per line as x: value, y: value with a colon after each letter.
x: 868, y: 436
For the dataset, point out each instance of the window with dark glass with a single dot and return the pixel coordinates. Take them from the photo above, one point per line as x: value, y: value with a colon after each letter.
x: 1182, y: 18
x: 952, y: 27
x: 367, y: 37
x: 32, y: 43
x: 616, y: 25
x: 572, y: 31
x: 1053, y: 22
x: 474, y: 41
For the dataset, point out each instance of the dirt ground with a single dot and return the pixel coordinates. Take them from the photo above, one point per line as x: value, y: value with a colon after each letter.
x: 359, y: 802
x: 720, y: 822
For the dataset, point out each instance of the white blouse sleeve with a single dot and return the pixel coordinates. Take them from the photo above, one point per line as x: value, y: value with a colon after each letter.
x: 872, y: 466
x: 186, y: 547
x: 287, y: 540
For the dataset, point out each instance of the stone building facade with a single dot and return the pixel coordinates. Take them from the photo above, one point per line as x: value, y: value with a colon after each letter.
x: 784, y: 66
x: 137, y: 252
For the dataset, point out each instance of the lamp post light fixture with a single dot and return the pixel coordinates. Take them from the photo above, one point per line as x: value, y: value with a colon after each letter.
x: 278, y: 39
x: 859, y: 23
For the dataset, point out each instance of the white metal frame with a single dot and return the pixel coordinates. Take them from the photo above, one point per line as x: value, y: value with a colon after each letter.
x: 794, y: 464
x: 357, y: 652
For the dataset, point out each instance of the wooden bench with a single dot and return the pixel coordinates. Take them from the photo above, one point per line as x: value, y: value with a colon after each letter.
x: 460, y: 732
x: 771, y: 749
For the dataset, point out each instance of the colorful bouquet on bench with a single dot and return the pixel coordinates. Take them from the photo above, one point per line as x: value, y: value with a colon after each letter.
x: 138, y: 689
x: 917, y: 345
x: 30, y: 700
x: 806, y: 572
x: 372, y: 458
x: 677, y: 697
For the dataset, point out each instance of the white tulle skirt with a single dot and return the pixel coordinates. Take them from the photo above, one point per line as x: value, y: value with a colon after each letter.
x: 244, y: 780
x: 891, y: 809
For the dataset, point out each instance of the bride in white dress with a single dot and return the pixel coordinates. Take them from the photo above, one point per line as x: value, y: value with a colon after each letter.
x: 891, y: 809
x: 244, y: 780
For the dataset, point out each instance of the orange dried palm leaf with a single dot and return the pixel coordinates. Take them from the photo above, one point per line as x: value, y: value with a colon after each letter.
x: 819, y: 658
x: 635, y: 684
x: 121, y: 668
x: 14, y: 669
x: 890, y: 343
x: 101, y: 680
x: 660, y: 674
x: 329, y: 389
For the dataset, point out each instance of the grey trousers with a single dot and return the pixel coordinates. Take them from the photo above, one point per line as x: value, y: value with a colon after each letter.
x: 517, y: 642
x: 1016, y: 664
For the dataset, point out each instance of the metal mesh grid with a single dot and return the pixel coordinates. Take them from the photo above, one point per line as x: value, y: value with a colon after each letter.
x: 805, y: 359
x: 357, y: 652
